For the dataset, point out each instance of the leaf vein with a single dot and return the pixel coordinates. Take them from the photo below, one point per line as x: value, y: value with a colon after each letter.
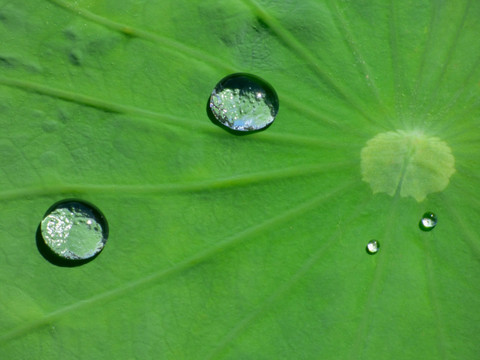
x: 300, y: 50
x: 171, y: 188
x: 127, y: 30
x: 188, y: 263
x: 282, y: 290
x: 147, y: 116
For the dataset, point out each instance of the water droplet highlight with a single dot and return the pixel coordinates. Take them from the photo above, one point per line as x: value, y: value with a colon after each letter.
x: 428, y: 221
x: 244, y: 102
x: 74, y: 230
x: 373, y: 246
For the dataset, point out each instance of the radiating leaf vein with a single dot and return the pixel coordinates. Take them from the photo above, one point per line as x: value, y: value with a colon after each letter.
x: 172, y: 188
x: 202, y: 256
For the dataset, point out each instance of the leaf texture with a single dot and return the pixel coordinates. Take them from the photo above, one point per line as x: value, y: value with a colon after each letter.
x: 237, y: 247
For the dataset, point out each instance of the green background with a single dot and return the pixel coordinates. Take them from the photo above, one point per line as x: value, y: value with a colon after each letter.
x: 237, y: 247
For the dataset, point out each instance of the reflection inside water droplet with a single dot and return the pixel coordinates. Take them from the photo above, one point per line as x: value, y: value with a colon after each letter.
x: 428, y: 221
x: 244, y: 102
x: 373, y: 246
x: 74, y: 230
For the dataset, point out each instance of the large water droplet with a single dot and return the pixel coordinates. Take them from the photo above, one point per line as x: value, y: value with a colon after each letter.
x: 74, y: 230
x: 244, y: 102
x: 373, y: 246
x: 428, y: 221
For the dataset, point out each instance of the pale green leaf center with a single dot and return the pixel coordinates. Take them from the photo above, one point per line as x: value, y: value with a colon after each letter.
x: 407, y: 163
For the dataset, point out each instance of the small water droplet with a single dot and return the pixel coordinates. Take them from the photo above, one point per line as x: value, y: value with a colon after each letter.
x: 428, y: 221
x: 244, y: 102
x: 74, y: 230
x: 373, y: 246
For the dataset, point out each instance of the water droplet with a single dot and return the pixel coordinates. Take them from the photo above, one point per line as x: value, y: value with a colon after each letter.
x: 244, y: 102
x: 373, y: 246
x: 74, y: 230
x: 428, y: 221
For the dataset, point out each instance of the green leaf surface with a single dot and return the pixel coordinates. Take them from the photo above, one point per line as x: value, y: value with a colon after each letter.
x: 240, y: 247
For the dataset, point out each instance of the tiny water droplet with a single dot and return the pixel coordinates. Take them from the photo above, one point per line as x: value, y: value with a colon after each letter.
x: 428, y: 221
x: 74, y: 230
x: 373, y: 246
x: 244, y: 102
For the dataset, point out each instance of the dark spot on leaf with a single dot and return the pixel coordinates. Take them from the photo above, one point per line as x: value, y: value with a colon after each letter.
x: 7, y: 61
x: 63, y: 116
x: 75, y: 57
x: 262, y: 26
x: 70, y: 34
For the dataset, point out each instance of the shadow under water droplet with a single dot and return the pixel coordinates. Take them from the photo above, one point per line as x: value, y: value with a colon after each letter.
x: 53, y: 258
